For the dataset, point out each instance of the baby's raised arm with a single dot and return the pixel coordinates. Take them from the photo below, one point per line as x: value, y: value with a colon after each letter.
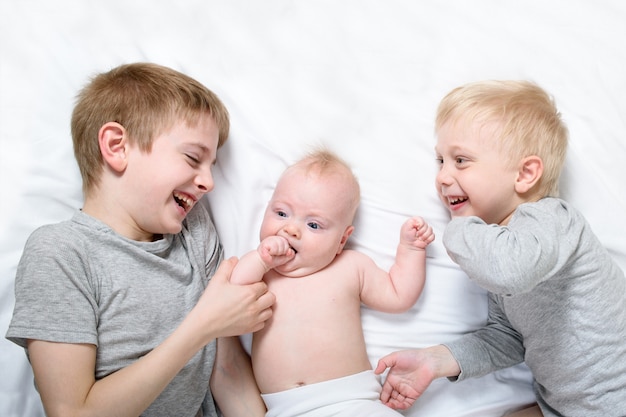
x: 272, y: 252
x: 397, y: 290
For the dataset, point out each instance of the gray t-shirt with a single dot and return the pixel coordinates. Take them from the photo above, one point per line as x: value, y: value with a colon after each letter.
x: 80, y: 282
x: 557, y: 301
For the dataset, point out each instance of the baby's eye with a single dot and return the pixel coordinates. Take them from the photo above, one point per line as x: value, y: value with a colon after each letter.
x: 460, y: 160
x: 313, y: 225
x: 281, y: 213
x: 439, y: 160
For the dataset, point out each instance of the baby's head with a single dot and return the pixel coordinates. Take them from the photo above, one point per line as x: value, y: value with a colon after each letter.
x: 324, y: 166
x: 313, y: 207
x: 521, y: 120
x: 146, y: 100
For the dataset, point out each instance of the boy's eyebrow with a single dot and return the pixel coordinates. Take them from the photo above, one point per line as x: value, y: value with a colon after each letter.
x: 198, y: 145
x: 201, y: 146
x: 454, y: 148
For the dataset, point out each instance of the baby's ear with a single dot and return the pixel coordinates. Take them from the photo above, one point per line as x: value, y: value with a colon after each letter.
x: 344, y: 238
x: 113, y: 145
x: 530, y: 172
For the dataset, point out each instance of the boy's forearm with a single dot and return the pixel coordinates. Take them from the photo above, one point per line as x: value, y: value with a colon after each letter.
x: 443, y: 363
x: 232, y: 383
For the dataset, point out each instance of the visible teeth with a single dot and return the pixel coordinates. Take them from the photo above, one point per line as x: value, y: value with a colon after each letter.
x: 457, y: 200
x: 184, y: 201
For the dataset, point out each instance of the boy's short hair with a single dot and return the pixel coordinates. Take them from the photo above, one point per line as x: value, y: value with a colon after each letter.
x: 527, y: 119
x: 145, y: 98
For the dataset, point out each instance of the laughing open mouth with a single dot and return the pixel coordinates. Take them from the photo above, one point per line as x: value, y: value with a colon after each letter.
x: 185, y: 202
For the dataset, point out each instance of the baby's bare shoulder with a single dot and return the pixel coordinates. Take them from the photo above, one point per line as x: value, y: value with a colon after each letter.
x: 352, y: 254
x: 354, y: 258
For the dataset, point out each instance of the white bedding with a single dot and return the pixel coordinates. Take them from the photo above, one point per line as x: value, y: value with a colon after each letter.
x: 361, y: 76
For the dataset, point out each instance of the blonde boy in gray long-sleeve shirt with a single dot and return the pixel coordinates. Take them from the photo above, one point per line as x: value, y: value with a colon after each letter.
x: 557, y: 299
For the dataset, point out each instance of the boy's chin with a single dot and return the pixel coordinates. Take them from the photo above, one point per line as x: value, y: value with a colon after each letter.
x: 171, y: 229
x: 455, y: 215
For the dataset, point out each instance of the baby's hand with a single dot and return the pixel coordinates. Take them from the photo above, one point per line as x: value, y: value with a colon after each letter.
x: 275, y: 251
x: 417, y: 233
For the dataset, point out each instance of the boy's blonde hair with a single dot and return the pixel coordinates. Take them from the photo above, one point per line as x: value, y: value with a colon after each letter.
x: 145, y: 98
x: 324, y: 162
x: 528, y: 122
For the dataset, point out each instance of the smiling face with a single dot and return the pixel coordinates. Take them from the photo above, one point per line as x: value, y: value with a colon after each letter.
x: 313, y: 210
x: 475, y: 178
x: 164, y: 184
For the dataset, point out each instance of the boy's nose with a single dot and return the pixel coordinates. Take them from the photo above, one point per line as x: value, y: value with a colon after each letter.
x: 204, y: 180
x: 443, y: 177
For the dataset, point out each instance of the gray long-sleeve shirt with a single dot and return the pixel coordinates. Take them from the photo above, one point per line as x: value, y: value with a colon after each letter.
x: 557, y: 301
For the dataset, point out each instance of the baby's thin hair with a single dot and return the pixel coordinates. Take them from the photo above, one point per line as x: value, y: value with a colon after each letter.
x: 325, y: 161
x: 324, y: 158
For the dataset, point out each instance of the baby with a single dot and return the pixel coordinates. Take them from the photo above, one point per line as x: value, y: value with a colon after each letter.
x: 311, y: 359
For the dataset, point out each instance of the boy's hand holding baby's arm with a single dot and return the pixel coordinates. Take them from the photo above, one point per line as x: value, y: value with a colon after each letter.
x: 416, y: 233
x: 240, y: 308
x: 275, y: 251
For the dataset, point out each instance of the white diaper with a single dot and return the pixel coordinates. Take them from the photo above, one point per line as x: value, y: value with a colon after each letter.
x: 354, y: 395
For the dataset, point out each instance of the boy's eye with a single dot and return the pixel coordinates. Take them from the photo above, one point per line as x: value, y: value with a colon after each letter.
x: 193, y: 158
x: 314, y: 225
x: 460, y: 160
x: 439, y: 160
x: 281, y: 214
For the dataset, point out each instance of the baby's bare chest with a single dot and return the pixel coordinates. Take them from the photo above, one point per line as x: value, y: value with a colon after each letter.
x: 319, y: 298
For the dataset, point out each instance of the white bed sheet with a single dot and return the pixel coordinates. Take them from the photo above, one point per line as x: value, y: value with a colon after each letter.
x: 362, y: 77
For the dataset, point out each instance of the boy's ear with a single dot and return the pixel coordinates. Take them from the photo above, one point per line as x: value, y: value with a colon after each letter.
x: 344, y: 238
x: 530, y: 172
x: 113, y: 145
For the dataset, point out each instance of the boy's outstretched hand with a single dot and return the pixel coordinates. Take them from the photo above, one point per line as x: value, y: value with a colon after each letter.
x: 411, y: 372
